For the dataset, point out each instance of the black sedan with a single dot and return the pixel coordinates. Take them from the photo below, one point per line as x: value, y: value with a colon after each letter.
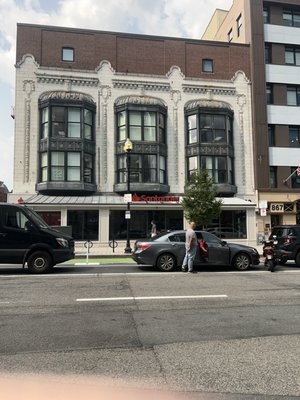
x: 167, y: 251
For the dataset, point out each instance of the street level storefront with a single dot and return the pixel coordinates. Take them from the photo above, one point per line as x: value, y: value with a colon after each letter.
x: 101, y: 219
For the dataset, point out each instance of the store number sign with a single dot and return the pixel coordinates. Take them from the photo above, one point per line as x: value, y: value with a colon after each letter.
x: 276, y: 208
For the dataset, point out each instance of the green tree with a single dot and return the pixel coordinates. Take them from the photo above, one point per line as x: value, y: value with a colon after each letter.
x: 199, y: 201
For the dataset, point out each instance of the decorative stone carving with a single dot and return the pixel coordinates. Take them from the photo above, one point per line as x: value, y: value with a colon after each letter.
x: 68, y: 96
x: 221, y: 91
x: 205, y: 103
x: 136, y: 85
x: 143, y: 100
x: 66, y: 80
x: 176, y: 97
x: 28, y: 88
x: 104, y: 93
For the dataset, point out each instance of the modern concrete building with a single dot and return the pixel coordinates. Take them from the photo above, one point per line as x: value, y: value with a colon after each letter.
x: 185, y: 104
x: 272, y: 28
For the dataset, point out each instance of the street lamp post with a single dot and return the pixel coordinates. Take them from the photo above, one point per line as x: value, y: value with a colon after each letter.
x: 127, y: 149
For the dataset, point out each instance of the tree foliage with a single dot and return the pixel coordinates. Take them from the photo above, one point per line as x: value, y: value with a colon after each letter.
x: 199, y: 201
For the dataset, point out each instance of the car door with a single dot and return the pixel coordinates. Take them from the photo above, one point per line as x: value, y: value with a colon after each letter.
x: 15, y: 238
x: 177, y: 245
x: 218, y: 251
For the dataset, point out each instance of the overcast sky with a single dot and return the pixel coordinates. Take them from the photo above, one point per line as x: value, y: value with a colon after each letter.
x: 177, y: 18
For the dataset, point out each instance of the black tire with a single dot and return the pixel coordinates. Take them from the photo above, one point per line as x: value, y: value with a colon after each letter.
x: 270, y: 265
x: 297, y: 260
x: 241, y: 262
x: 39, y: 262
x: 166, y: 262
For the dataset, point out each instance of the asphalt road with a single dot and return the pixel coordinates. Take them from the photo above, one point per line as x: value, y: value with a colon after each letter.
x: 217, y: 334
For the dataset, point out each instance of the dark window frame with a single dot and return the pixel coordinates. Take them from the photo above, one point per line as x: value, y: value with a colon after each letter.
x: 230, y: 35
x: 63, y: 49
x: 292, y: 20
x: 207, y: 65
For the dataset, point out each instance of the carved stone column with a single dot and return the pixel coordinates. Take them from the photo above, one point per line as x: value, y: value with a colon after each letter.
x: 176, y: 97
x: 28, y: 88
x: 104, y: 93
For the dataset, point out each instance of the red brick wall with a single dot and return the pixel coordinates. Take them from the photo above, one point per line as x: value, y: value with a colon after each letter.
x: 129, y: 52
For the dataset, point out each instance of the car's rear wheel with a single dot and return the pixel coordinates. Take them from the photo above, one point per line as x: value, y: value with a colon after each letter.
x: 241, y: 262
x: 166, y: 262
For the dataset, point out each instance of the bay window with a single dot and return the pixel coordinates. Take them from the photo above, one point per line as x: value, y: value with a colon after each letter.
x: 209, y: 143
x: 144, y: 123
x: 67, y: 143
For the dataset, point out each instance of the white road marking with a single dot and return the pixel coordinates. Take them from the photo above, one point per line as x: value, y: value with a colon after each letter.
x: 154, y: 297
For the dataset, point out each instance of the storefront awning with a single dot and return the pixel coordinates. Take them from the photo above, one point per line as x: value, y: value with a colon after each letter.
x: 119, y: 200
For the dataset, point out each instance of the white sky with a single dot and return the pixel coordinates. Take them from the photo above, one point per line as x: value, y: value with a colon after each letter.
x: 177, y: 18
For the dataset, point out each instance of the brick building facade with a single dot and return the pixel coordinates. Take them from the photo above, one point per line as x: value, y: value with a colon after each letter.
x: 185, y: 104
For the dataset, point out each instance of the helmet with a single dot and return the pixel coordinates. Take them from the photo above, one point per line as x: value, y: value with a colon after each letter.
x: 268, y: 243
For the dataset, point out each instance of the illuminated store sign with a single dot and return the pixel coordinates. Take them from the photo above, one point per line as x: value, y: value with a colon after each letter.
x: 155, y: 198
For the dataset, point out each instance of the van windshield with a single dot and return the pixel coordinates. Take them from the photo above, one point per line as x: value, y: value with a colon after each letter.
x: 37, y: 219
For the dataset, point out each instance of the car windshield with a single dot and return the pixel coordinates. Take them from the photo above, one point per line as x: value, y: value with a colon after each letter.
x: 280, y: 232
x: 36, y: 218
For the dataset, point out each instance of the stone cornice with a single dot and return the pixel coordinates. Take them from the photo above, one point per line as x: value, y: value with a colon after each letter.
x: 230, y: 91
x: 134, y: 85
x: 66, y: 80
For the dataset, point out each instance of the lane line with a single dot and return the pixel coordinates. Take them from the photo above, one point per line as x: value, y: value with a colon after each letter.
x: 166, y: 274
x: 153, y: 297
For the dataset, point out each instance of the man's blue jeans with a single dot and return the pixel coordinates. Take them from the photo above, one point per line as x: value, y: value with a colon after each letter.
x: 188, y: 260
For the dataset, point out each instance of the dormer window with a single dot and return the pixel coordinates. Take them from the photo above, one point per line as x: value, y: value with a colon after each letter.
x: 207, y: 65
x: 67, y: 54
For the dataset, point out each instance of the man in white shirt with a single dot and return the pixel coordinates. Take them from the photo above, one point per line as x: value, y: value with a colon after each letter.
x: 191, y: 245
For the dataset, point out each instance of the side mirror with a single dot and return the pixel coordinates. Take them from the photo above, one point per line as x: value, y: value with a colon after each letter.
x: 224, y: 242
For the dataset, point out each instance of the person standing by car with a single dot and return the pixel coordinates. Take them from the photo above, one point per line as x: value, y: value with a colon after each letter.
x: 153, y: 229
x: 191, y: 245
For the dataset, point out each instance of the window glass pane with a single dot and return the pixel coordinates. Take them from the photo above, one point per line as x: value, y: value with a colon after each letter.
x: 87, y: 132
x: 45, y: 127
x: 44, y: 160
x: 162, y: 162
x: 161, y: 120
x: 122, y: 133
x: 296, y: 19
x: 87, y: 169
x: 58, y: 114
x: 73, y: 174
x: 297, y: 56
x: 57, y: 173
x: 291, y: 97
x: 219, y: 122
x: 73, y: 130
x: 74, y: 115
x: 287, y: 18
x: 294, y: 137
x: 121, y: 118
x: 135, y: 118
x: 57, y: 158
x: 73, y: 159
x: 44, y: 174
x: 135, y: 133
x: 88, y: 117
x: 149, y: 119
x: 67, y: 54
x: 289, y: 56
x: 149, y: 133
x: 192, y: 121
x: 193, y: 163
x: 207, y: 65
x: 45, y: 115
x: 207, y: 163
x: 85, y: 224
x: 205, y: 121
